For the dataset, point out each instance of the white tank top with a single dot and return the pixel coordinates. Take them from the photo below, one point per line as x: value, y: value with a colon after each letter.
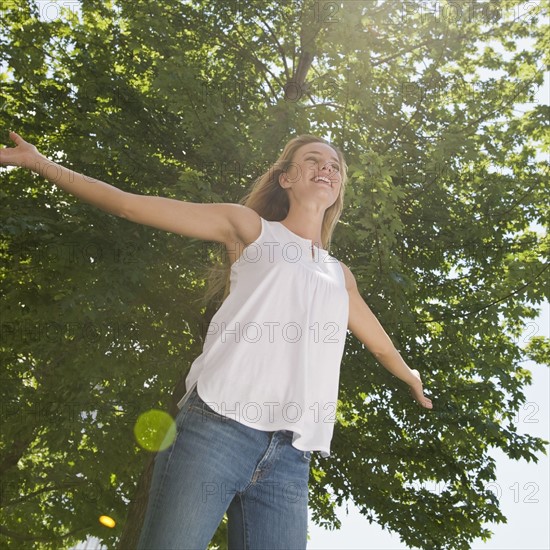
x: 272, y: 353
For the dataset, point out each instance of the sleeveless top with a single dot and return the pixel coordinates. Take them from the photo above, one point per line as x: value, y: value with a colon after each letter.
x: 272, y: 353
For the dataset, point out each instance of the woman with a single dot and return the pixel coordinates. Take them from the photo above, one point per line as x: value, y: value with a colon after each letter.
x: 262, y: 395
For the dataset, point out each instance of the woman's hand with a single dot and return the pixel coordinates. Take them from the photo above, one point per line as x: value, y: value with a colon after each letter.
x: 21, y: 155
x: 418, y: 392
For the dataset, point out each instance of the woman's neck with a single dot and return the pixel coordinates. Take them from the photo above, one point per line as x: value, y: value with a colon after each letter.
x: 305, y: 224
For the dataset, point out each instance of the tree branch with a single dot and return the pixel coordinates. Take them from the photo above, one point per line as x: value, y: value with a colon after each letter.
x: 490, y: 304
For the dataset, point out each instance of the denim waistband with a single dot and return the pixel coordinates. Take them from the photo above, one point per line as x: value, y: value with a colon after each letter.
x: 194, y: 395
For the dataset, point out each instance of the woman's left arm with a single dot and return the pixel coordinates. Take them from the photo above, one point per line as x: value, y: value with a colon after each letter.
x: 365, y: 326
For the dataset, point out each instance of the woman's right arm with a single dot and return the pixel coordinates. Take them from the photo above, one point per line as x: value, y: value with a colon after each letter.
x: 226, y: 223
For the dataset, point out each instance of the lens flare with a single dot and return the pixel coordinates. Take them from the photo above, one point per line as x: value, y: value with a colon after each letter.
x: 107, y: 521
x: 155, y: 430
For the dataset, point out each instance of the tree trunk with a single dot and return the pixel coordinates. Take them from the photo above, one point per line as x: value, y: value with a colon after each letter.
x: 138, y: 505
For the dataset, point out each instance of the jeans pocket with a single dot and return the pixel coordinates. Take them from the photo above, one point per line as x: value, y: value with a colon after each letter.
x: 306, y: 456
x: 187, y: 396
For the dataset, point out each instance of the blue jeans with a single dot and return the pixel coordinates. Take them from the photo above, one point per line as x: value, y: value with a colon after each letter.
x: 217, y: 465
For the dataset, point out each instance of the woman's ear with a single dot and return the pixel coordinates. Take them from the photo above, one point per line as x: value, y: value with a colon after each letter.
x: 283, y: 178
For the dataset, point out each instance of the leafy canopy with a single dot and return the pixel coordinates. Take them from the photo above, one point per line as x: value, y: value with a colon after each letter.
x: 192, y: 100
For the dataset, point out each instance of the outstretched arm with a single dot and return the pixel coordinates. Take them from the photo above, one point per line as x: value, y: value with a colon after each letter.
x: 226, y: 223
x: 365, y: 326
x: 100, y: 194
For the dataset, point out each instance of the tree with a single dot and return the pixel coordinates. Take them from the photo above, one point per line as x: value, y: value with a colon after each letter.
x: 102, y: 318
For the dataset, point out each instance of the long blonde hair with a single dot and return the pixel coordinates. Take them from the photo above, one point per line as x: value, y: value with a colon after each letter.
x: 270, y: 201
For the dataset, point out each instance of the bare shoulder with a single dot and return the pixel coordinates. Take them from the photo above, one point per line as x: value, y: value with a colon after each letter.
x: 246, y: 224
x: 351, y: 283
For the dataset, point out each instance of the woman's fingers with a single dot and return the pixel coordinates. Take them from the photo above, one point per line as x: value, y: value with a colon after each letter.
x: 17, y: 139
x: 18, y: 155
x: 419, y: 396
x: 427, y: 403
x: 418, y: 392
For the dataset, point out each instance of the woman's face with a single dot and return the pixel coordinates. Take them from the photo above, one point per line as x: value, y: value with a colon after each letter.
x: 314, y: 174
